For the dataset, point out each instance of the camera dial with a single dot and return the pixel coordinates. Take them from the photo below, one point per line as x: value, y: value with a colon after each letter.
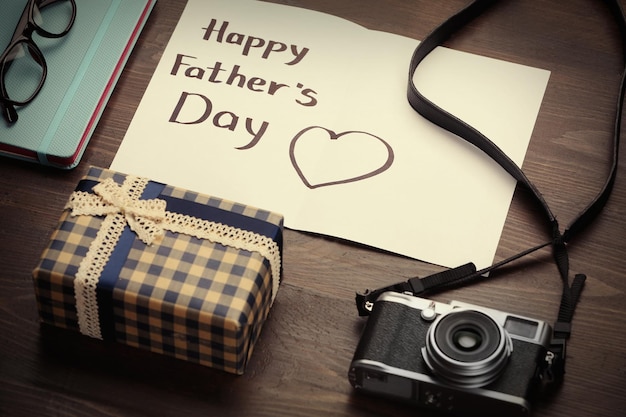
x: 467, y: 348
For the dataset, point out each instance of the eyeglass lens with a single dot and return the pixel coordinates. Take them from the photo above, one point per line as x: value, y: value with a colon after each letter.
x: 54, y: 18
x: 24, y: 73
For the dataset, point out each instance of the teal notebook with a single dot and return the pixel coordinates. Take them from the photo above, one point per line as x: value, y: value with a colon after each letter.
x: 83, y: 67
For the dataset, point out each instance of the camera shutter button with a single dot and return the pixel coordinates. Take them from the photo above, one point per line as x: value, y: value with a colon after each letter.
x: 428, y: 314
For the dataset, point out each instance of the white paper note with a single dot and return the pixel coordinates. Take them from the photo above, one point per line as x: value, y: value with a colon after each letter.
x: 306, y: 114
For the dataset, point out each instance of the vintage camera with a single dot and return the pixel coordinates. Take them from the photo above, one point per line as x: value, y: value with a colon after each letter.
x: 456, y: 358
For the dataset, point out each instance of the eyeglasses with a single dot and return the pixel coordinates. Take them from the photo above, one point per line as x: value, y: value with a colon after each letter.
x: 23, y: 69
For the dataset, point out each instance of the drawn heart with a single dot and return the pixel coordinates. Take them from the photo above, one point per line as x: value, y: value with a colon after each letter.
x: 322, y: 157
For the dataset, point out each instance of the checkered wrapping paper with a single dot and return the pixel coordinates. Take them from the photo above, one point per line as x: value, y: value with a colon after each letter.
x: 186, y: 297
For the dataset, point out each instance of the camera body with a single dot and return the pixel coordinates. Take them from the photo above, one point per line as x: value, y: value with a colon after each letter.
x: 456, y: 358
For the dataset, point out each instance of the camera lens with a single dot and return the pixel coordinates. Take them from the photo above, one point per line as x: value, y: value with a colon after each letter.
x: 467, y: 348
x: 467, y: 336
x: 467, y: 339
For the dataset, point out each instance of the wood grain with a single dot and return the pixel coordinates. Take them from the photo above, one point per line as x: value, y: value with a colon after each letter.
x: 300, y: 364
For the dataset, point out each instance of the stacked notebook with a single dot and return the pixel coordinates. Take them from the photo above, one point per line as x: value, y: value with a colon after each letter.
x: 83, y: 68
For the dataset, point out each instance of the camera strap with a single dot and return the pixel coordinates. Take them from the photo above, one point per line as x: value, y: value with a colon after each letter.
x: 555, y: 360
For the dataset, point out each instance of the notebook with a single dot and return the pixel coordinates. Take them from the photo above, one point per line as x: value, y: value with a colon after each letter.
x: 83, y: 68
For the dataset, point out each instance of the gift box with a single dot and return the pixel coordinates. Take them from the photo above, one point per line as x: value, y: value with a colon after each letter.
x: 161, y: 268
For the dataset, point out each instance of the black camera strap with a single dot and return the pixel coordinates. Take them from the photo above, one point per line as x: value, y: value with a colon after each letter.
x: 554, y: 366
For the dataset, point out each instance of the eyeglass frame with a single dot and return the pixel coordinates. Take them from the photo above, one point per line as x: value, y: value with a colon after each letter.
x: 23, y: 34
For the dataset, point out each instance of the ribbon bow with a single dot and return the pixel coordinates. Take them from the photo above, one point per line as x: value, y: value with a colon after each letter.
x: 144, y: 217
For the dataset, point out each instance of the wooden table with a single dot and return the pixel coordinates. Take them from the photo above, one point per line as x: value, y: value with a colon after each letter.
x: 301, y: 361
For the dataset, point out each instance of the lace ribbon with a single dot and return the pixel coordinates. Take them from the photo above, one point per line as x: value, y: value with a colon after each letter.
x: 121, y: 206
